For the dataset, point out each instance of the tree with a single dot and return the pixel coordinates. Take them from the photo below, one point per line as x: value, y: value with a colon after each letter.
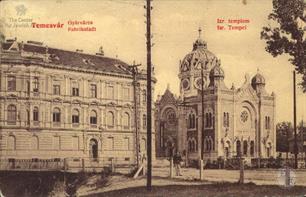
x: 283, y: 133
x: 287, y: 34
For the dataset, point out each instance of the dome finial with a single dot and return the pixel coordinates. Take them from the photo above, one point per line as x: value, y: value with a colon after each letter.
x: 200, y: 31
x: 168, y: 86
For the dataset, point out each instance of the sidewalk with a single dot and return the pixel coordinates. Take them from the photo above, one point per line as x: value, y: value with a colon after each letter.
x: 258, y: 176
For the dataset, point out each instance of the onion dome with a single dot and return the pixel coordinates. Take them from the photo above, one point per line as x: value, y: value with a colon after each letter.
x: 258, y: 82
x: 216, y: 71
x: 258, y: 79
x: 200, y: 57
x: 216, y: 76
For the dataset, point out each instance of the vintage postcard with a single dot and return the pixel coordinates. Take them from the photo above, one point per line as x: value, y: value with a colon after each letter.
x: 152, y: 98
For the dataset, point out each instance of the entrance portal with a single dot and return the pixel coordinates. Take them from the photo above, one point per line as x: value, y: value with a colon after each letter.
x: 93, y: 149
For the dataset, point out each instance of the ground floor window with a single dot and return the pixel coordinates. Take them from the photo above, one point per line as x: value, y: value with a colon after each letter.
x: 93, y: 149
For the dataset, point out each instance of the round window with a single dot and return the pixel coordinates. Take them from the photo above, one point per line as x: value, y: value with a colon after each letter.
x: 198, y: 83
x: 185, y: 84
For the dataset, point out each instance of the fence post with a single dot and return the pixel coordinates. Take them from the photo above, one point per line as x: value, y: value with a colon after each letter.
x: 241, y: 180
x: 65, y: 161
x: 113, y: 165
x: 83, y: 164
x: 201, y: 169
x: 171, y: 167
x: 287, y: 176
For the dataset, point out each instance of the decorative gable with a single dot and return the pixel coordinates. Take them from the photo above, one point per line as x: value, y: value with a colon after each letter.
x: 167, y: 98
x: 247, y: 92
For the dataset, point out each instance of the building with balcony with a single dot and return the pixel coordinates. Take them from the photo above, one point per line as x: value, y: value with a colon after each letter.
x: 57, y: 104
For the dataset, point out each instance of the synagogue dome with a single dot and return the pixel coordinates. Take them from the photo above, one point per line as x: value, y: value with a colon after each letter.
x: 200, y: 57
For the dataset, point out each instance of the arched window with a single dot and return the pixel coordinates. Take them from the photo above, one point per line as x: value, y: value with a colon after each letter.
x: 252, y: 148
x: 171, y: 118
x: 36, y: 84
x: 226, y: 152
x: 75, y: 116
x: 93, y: 117
x: 269, y: 147
x: 267, y: 122
x: 227, y: 147
x: 143, y: 144
x: 126, y: 120
x: 144, y: 120
x: 205, y: 144
x: 11, y: 114
x: 110, y: 119
x: 192, y: 145
x: 11, y: 142
x: 144, y: 96
x: 28, y: 117
x: 56, y: 115
x: 226, y: 119
x: 189, y: 146
x: 238, y: 148
x: 35, y: 114
x: 209, y: 120
x: 191, y: 121
x: 93, y: 149
x: 245, y: 147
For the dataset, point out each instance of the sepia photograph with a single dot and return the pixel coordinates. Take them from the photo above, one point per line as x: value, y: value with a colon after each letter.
x: 152, y: 98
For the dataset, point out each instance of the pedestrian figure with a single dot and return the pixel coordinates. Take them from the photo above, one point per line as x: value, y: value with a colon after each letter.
x: 144, y: 158
x: 177, y: 158
x: 143, y: 161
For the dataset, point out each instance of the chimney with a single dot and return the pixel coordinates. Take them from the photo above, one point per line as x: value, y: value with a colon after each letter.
x: 35, y: 42
x: 101, y: 52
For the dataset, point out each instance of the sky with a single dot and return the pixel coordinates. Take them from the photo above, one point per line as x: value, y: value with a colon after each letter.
x: 120, y: 29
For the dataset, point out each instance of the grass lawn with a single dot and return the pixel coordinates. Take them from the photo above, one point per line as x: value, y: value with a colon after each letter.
x: 218, y: 189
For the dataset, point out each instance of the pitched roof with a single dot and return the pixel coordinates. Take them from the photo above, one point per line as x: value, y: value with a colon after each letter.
x: 168, y: 97
x: 74, y: 59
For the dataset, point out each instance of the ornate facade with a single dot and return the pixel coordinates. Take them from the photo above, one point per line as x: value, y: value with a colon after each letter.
x: 236, y: 121
x: 57, y: 104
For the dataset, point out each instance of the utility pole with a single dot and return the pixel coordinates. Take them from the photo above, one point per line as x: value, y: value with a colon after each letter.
x: 294, y: 123
x: 134, y: 69
x: 149, y: 96
x: 202, y: 128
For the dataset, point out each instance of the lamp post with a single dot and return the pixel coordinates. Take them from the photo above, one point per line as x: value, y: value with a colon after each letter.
x: 294, y: 123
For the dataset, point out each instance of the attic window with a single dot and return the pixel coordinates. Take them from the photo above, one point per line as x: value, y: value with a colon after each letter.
x: 88, y: 61
x: 54, y: 57
x: 121, y: 67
